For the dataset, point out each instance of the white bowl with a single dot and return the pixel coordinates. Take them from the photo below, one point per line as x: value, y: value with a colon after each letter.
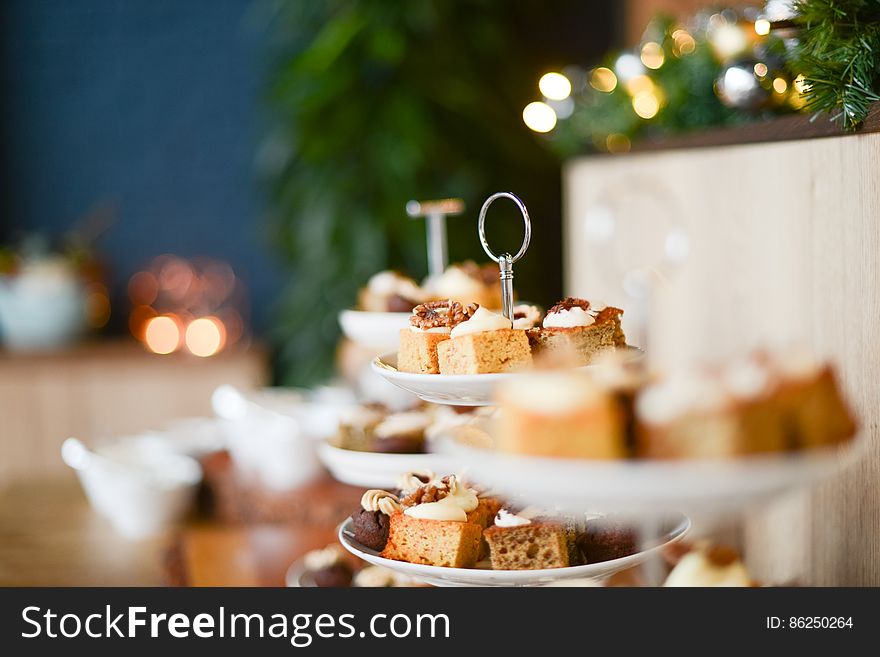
x: 141, y: 487
x: 377, y: 470
x: 442, y: 576
x: 41, y: 308
x: 372, y: 329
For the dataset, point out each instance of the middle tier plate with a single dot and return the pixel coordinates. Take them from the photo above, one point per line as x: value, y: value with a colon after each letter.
x: 451, y: 389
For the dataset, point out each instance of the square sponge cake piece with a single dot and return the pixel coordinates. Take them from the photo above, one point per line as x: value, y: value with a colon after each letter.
x: 418, y: 351
x: 447, y: 543
x: 487, y: 352
x: 534, y: 546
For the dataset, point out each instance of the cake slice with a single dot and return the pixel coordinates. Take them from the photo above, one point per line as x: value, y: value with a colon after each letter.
x: 518, y: 543
x: 484, y: 344
x: 573, y: 332
x: 450, y: 543
x: 560, y: 414
x: 430, y: 325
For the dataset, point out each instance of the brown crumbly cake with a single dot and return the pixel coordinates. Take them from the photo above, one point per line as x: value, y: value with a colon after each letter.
x: 433, y: 542
x: 417, y: 353
x: 815, y: 410
x: 500, y: 350
x: 579, y: 344
x: 537, y: 545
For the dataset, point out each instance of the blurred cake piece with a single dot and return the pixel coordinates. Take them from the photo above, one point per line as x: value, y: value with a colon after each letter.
x: 574, y: 332
x: 329, y: 567
x: 401, y: 433
x: 467, y: 283
x: 430, y: 325
x: 709, y: 565
x: 390, y: 291
x: 485, y: 343
x: 520, y: 543
x: 604, y: 539
x: 811, y: 400
x: 560, y: 414
x: 356, y: 427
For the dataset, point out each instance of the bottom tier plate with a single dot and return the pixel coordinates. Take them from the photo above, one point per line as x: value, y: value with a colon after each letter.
x: 674, y: 530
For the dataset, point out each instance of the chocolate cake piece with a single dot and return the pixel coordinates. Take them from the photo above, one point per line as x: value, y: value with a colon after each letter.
x: 338, y: 575
x: 604, y: 540
x: 371, y: 528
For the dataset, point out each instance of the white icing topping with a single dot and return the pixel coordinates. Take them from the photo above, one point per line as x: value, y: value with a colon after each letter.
x: 436, y: 329
x: 679, y: 395
x: 456, y: 284
x: 569, y: 318
x: 481, y: 320
x: 362, y: 416
x: 746, y: 379
x: 531, y: 319
x: 455, y: 506
x: 551, y: 393
x: 397, y: 424
x: 507, y: 519
x: 410, y: 481
x: 389, y: 283
x: 380, y: 500
x: 320, y: 559
x: 375, y: 577
x: 695, y: 569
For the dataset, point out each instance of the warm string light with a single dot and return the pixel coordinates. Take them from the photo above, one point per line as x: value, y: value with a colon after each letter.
x: 178, y: 304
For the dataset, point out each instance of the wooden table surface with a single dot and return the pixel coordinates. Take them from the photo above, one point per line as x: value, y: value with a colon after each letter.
x: 49, y: 536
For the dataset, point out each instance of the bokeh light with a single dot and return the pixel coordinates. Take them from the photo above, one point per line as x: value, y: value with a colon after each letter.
x: 205, y: 336
x: 539, y: 117
x: 780, y: 86
x: 652, y: 55
x: 646, y: 104
x: 603, y: 79
x: 555, y: 86
x: 162, y: 334
x: 762, y: 27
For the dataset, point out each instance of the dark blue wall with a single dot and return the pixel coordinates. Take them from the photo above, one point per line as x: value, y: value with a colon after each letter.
x: 152, y: 105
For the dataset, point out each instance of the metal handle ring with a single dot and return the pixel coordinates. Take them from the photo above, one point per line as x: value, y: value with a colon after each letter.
x: 525, y: 215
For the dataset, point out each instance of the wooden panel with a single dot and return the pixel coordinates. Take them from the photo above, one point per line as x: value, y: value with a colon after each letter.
x: 103, y: 391
x: 785, y: 239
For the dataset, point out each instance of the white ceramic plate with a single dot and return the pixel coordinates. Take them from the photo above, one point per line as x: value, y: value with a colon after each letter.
x: 372, y: 329
x: 441, y: 576
x: 451, y: 389
x: 377, y: 470
x: 694, y: 486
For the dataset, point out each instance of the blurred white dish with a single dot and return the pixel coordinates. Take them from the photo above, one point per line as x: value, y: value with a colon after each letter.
x: 442, y: 576
x: 267, y: 445
x: 140, y: 486
x: 374, y: 469
x: 372, y: 329
x: 694, y: 486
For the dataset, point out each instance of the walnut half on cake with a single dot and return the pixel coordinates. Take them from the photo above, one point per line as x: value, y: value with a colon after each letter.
x: 573, y: 331
x: 430, y: 325
x: 484, y: 344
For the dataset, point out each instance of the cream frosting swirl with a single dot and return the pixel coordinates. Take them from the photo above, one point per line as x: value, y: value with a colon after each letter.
x: 531, y: 316
x: 410, y: 481
x: 455, y: 506
x: 507, y: 519
x: 380, y: 500
x: 569, y: 318
x: 324, y: 558
x: 375, y: 577
x: 402, y: 423
x: 482, y: 320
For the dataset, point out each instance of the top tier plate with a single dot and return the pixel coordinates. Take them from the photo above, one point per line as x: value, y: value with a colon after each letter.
x: 450, y: 389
